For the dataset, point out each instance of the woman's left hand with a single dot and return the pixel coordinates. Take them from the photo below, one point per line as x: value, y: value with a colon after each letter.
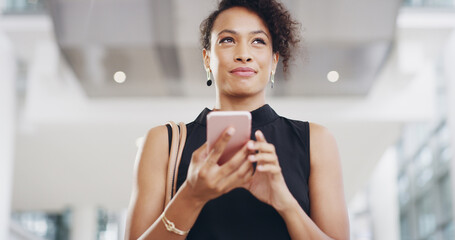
x: 267, y: 183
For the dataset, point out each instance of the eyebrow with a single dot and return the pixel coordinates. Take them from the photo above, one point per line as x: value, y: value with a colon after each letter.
x: 251, y: 33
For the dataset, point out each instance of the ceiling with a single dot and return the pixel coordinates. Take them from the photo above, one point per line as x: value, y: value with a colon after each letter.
x: 156, y: 44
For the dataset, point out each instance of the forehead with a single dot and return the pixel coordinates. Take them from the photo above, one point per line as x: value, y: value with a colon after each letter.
x: 239, y: 19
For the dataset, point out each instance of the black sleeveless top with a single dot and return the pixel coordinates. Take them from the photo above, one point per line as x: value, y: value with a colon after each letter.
x: 238, y: 214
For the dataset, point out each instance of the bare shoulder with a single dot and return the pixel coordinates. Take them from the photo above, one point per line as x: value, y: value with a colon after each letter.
x: 154, y: 148
x: 319, y: 132
x: 323, y: 146
x: 157, y: 133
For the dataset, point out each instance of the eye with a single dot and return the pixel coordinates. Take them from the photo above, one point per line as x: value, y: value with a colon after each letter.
x: 227, y: 40
x: 259, y: 40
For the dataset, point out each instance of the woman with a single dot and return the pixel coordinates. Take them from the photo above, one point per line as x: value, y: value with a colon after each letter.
x: 242, y: 42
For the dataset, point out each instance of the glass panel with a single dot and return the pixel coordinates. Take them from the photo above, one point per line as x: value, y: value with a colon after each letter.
x: 429, y: 3
x: 423, y: 166
x: 446, y: 196
x: 49, y: 226
x: 436, y: 236
x: 426, y: 215
x: 109, y: 225
x: 405, y: 230
x: 403, y: 189
x: 444, y: 135
x: 448, y: 231
x: 24, y: 6
x: 414, y: 136
x: 446, y: 155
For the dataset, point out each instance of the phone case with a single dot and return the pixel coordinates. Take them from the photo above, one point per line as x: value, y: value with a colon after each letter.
x: 218, y: 121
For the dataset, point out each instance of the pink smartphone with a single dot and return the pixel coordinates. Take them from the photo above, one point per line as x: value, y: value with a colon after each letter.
x: 218, y: 121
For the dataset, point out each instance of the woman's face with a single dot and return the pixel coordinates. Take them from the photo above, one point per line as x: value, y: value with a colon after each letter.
x: 241, y: 57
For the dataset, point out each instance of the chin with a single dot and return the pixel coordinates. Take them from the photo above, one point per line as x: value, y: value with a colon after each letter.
x: 243, y: 92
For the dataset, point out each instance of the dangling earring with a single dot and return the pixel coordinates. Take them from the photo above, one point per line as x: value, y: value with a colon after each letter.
x: 272, y: 79
x: 209, y: 81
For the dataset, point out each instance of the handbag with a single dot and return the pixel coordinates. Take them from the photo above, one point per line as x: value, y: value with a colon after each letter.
x: 178, y: 139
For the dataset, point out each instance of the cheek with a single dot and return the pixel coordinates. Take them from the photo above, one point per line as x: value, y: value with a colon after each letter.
x: 214, y: 63
x: 218, y: 60
x: 266, y: 63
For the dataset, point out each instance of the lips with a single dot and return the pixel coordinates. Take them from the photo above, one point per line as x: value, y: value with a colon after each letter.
x: 243, y: 71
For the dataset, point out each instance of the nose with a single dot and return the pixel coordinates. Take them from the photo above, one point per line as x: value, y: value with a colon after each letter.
x: 242, y: 54
x: 243, y: 59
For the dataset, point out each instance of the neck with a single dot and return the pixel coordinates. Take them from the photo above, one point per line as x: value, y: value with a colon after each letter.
x: 229, y: 103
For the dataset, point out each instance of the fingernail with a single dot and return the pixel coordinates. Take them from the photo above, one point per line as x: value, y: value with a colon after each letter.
x: 251, y: 157
x: 231, y: 131
x: 250, y: 145
x: 259, y: 133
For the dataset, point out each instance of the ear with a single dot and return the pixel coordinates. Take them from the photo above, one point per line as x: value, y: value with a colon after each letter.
x: 206, y: 58
x: 275, y: 59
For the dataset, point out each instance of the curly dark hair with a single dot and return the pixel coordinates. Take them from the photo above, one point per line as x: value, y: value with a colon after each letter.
x: 283, y: 28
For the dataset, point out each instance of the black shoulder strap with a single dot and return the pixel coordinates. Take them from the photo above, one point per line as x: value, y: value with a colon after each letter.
x: 169, y: 134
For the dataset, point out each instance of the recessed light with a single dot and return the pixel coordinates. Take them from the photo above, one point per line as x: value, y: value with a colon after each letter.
x: 333, y: 76
x: 119, y: 77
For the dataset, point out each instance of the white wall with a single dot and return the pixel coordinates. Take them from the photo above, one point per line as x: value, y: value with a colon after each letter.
x: 84, y: 222
x: 383, y: 198
x: 7, y: 130
x: 374, y: 212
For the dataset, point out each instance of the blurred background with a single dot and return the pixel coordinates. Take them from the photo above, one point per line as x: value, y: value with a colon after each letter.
x: 82, y: 81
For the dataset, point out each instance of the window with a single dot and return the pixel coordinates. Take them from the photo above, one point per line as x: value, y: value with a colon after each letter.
x: 448, y: 231
x: 429, y: 3
x: 426, y: 215
x: 110, y: 224
x: 403, y: 189
x: 49, y: 226
x: 405, y: 233
x: 424, y: 183
x: 24, y: 6
x: 446, y: 197
x: 424, y: 167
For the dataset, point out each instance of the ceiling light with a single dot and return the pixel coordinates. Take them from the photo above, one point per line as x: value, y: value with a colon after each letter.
x: 119, y: 77
x: 333, y: 76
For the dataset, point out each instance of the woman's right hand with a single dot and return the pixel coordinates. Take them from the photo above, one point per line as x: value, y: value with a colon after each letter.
x: 207, y: 180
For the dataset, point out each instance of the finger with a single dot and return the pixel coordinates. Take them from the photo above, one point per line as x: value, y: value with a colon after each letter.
x: 247, y: 175
x: 242, y: 171
x: 268, y: 168
x: 251, y: 146
x: 203, y: 150
x: 220, y: 172
x: 239, y: 177
x: 220, y: 145
x: 245, y: 168
x: 263, y: 158
x: 260, y: 136
x: 200, y: 154
x: 235, y: 162
x: 264, y: 147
